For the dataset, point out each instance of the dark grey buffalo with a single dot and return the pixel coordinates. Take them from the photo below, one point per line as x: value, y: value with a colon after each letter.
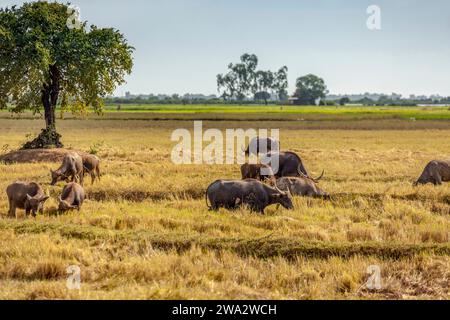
x: 262, y: 145
x: 72, y: 197
x: 435, y: 172
x: 302, y: 186
x: 28, y: 196
x: 231, y: 194
x: 91, y: 165
x: 289, y: 164
x: 261, y: 172
x: 71, y: 169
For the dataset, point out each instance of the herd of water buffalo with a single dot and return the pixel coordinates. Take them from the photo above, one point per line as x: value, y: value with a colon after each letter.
x: 31, y: 196
x: 257, y: 191
x: 259, y: 187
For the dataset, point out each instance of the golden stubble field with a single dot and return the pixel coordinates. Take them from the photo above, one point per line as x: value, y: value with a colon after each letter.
x: 145, y: 231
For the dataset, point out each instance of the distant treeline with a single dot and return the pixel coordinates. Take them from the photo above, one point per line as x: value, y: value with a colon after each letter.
x: 180, y: 100
x: 245, y: 84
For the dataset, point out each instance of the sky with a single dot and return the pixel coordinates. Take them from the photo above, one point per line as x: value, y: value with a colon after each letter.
x: 181, y: 45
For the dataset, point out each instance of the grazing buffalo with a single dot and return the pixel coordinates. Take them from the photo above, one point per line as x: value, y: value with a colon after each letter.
x: 91, y: 165
x: 435, y: 172
x: 261, y: 172
x: 252, y: 193
x: 72, y: 197
x: 302, y: 186
x: 28, y: 196
x: 71, y: 168
x: 289, y: 164
x: 260, y: 145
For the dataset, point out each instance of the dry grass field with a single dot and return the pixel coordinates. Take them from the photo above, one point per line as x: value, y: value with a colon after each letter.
x: 145, y: 231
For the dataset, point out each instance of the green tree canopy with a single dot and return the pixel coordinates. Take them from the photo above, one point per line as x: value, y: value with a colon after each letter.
x: 344, y: 100
x: 243, y: 80
x: 281, y: 83
x: 310, y: 88
x: 264, y: 81
x: 45, y: 63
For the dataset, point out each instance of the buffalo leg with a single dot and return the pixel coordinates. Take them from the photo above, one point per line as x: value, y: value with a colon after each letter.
x: 214, y: 208
x: 73, y: 177
x: 12, y: 210
x: 81, y: 176
x: 439, y: 180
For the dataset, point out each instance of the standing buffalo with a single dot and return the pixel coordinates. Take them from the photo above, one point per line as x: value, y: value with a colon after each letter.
x: 72, y: 167
x: 256, y: 195
x: 72, y: 197
x: 435, y: 172
x: 91, y: 165
x: 28, y: 196
x: 259, y: 145
x: 303, y: 186
x: 261, y: 172
x: 289, y: 164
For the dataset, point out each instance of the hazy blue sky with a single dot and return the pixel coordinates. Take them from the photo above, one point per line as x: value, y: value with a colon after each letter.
x: 181, y: 45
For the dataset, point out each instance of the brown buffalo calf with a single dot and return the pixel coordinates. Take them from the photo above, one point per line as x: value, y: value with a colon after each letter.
x: 28, y: 196
x: 72, y: 197
x: 91, y: 165
x: 71, y: 169
x: 259, y: 172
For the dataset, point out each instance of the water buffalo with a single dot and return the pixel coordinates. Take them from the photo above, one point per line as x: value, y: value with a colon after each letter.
x: 231, y: 194
x: 289, y: 164
x: 302, y: 186
x: 71, y: 168
x: 28, y: 196
x: 91, y: 165
x: 259, y: 145
x: 72, y: 197
x: 261, y: 172
x: 435, y: 172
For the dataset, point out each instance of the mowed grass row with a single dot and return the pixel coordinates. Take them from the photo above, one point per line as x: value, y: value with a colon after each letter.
x: 34, y: 267
x: 145, y: 231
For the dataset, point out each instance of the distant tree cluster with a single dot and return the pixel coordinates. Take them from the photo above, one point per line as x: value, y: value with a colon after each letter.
x: 385, y: 100
x: 158, y: 99
x: 243, y: 80
x: 310, y: 90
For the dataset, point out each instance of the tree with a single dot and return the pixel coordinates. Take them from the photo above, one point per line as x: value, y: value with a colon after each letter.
x: 243, y: 79
x: 310, y: 88
x: 240, y: 79
x: 46, y: 62
x: 246, y: 74
x: 227, y: 84
x: 262, y: 95
x: 281, y: 83
x: 344, y: 100
x: 264, y: 81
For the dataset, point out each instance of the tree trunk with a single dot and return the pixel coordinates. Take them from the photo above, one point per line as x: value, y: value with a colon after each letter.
x: 49, y: 137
